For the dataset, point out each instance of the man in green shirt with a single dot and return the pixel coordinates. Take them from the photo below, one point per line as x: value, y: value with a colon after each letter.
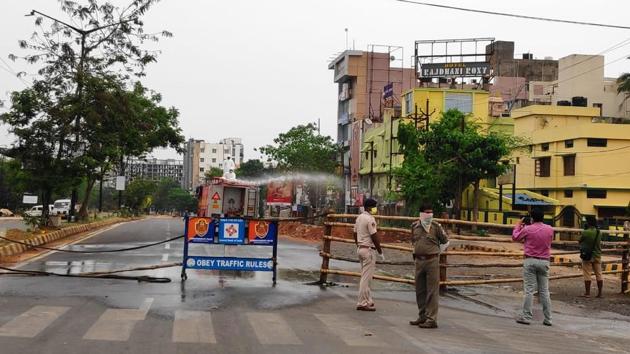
x: 591, y: 254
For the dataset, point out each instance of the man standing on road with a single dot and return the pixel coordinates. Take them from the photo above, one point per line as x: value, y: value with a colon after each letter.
x: 367, y: 242
x: 591, y: 255
x: 537, y: 250
x: 427, y: 235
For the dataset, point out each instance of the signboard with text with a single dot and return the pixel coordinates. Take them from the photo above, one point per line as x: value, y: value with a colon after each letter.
x: 471, y: 69
x: 262, y: 232
x: 232, y: 231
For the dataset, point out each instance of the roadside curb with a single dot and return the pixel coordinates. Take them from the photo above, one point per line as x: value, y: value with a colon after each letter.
x: 16, y: 248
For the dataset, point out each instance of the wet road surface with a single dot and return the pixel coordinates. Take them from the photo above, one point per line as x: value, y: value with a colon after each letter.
x: 243, y: 313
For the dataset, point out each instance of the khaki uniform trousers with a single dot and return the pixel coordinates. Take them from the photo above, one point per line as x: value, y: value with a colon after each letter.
x: 368, y: 266
x: 592, y: 266
x: 428, y: 288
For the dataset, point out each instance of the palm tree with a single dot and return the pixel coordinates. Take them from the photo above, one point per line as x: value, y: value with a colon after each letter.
x: 624, y: 85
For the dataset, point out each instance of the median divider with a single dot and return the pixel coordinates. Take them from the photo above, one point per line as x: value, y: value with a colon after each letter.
x: 13, y: 249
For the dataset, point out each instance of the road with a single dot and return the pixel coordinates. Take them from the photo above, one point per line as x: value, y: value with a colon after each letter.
x: 11, y: 223
x: 242, y: 312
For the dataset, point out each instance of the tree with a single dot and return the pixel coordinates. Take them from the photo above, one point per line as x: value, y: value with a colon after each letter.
x: 82, y: 67
x: 139, y: 194
x: 213, y: 172
x: 301, y: 149
x: 623, y: 82
x: 452, y: 149
x: 250, y: 168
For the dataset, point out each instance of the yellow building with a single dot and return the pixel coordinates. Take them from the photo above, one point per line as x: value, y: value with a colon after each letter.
x: 576, y: 157
x: 474, y: 102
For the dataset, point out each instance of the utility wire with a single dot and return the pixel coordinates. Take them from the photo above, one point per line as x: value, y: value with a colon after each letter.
x: 505, y: 14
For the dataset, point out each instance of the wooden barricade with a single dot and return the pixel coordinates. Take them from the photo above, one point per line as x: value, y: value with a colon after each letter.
x: 621, y: 248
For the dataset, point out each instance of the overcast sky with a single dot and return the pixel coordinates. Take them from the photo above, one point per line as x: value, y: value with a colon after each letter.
x: 253, y: 69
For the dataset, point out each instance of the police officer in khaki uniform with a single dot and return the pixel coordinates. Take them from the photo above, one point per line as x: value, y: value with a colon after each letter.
x: 367, y: 243
x: 427, y: 236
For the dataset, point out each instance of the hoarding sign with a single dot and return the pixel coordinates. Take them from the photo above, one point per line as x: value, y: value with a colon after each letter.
x: 280, y: 193
x: 262, y: 232
x: 29, y: 199
x: 200, y: 230
x: 120, y: 183
x: 472, y: 69
x: 230, y: 263
x: 232, y: 231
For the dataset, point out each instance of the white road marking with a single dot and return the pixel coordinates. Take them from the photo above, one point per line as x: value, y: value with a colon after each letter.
x: 117, y: 324
x: 165, y: 257
x: 193, y: 327
x: 271, y: 328
x: 167, y: 246
x: 46, y: 254
x: 350, y: 331
x: 32, y: 322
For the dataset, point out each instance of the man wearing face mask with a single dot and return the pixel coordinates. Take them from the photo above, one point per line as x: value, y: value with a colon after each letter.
x: 367, y: 242
x: 426, y: 236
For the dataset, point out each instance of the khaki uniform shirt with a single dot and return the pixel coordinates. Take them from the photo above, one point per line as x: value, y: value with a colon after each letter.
x: 365, y: 226
x: 427, y: 243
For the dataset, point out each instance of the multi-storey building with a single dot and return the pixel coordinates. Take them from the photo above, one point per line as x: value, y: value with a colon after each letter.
x: 200, y: 157
x: 154, y: 169
x: 576, y: 157
x: 362, y: 77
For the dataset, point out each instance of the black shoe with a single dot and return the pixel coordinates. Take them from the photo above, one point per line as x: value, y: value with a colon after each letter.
x: 547, y: 323
x: 428, y: 324
x: 522, y: 321
x: 418, y: 321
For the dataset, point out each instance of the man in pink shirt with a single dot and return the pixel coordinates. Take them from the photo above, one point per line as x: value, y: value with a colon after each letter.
x: 537, y: 250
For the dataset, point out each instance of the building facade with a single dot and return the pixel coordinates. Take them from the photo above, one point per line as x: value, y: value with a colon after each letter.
x: 154, y: 169
x: 361, y: 77
x: 200, y: 157
x: 576, y: 157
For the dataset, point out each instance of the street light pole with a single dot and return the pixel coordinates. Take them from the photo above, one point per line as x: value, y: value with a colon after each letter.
x: 79, y: 80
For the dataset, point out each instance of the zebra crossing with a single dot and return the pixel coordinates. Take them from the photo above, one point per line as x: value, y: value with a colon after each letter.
x: 270, y: 328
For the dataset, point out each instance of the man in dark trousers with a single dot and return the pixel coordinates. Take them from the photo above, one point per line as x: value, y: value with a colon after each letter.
x: 427, y: 235
x: 537, y: 239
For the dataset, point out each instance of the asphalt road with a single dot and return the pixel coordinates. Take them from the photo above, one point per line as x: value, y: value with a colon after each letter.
x: 11, y: 223
x: 228, y: 312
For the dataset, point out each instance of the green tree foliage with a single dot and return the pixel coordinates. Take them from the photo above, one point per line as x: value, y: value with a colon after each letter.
x: 623, y: 82
x: 139, y: 194
x: 79, y: 116
x: 12, y: 183
x: 213, y: 172
x: 302, y: 149
x: 250, y: 168
x: 452, y: 147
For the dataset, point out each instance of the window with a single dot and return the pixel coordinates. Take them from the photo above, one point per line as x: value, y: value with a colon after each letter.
x: 214, y: 160
x: 596, y: 194
x: 568, y: 144
x: 531, y: 148
x: 214, y: 151
x: 545, y: 192
x: 201, y: 159
x: 568, y: 193
x: 202, y: 150
x: 201, y: 169
x: 544, y: 146
x: 543, y: 167
x: 461, y: 101
x: 374, y: 153
x: 569, y: 165
x: 367, y: 155
x: 596, y: 142
x: 226, y: 151
x: 408, y: 100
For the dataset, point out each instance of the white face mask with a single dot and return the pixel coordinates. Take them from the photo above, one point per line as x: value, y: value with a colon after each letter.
x: 426, y: 219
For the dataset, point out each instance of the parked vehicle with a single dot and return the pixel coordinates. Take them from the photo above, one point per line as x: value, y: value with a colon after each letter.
x: 5, y: 212
x: 37, y: 210
x: 61, y: 207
